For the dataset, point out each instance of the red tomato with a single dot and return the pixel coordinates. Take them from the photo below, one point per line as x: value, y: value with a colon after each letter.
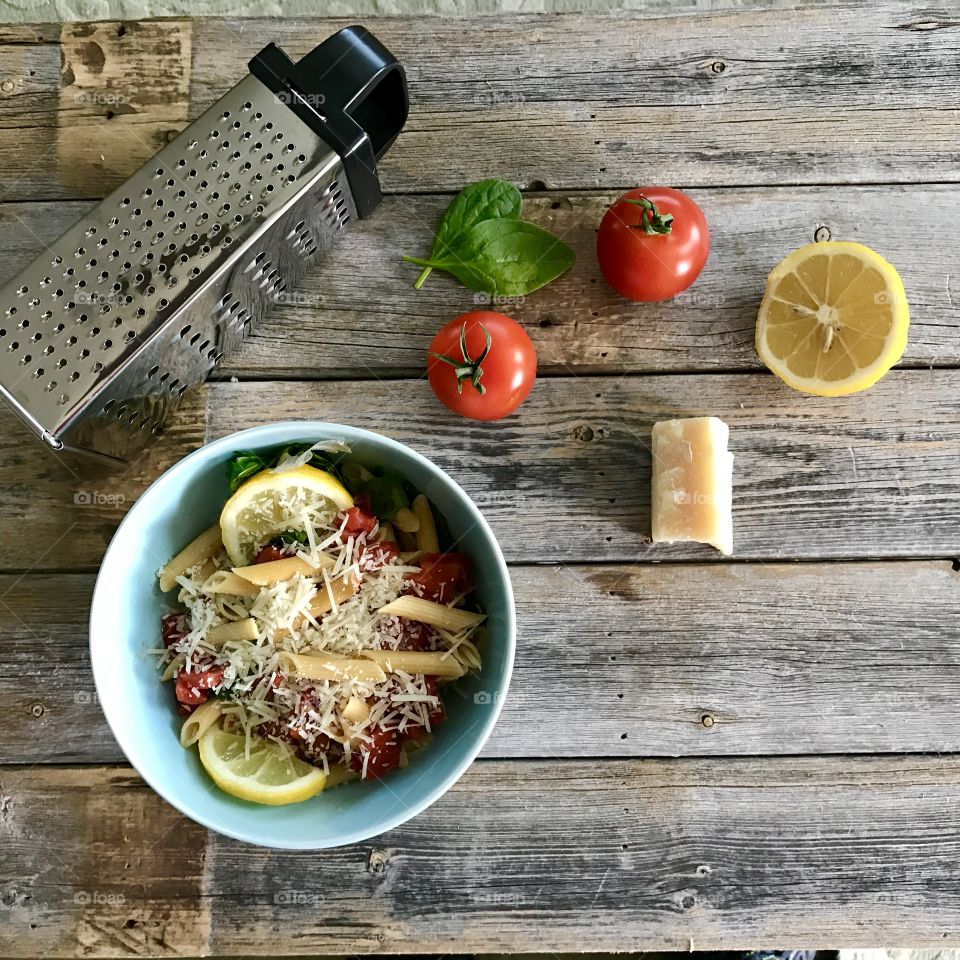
x: 477, y: 378
x: 377, y: 555
x: 363, y: 501
x: 441, y: 577
x: 436, y: 714
x: 174, y: 627
x: 384, y: 750
x: 414, y: 635
x: 645, y: 256
x: 357, y: 522
x: 269, y: 553
x: 192, y: 688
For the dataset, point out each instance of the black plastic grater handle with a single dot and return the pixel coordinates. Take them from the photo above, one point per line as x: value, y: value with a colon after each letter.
x: 351, y: 91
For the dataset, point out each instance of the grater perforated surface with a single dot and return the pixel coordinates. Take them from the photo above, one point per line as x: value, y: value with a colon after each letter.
x: 103, y: 333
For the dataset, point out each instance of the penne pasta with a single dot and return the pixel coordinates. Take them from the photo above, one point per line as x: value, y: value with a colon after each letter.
x: 233, y: 630
x: 207, y: 545
x: 172, y: 667
x: 407, y: 541
x: 436, y: 614
x: 332, y: 593
x: 197, y: 724
x: 387, y: 532
x: 266, y: 574
x: 427, y: 541
x: 329, y: 666
x: 437, y: 664
x: 225, y: 581
x: 406, y: 520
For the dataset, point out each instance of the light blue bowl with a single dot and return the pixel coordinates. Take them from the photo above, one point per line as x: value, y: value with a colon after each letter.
x: 125, y: 624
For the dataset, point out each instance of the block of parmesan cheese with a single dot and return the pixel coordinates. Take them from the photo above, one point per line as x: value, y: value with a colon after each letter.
x: 693, y: 482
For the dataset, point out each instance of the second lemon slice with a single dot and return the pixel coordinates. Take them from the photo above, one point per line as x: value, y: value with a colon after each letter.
x: 833, y: 320
x: 274, y: 501
x: 269, y: 774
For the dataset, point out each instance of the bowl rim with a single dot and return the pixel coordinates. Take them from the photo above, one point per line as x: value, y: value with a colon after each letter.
x: 100, y: 608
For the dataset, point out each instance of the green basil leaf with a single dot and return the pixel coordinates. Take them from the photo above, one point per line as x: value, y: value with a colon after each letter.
x: 486, y: 200
x: 290, y: 536
x: 508, y: 258
x: 243, y: 465
x: 387, y: 496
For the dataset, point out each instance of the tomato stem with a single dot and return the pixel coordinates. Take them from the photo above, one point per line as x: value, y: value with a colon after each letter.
x: 651, y: 220
x: 468, y: 368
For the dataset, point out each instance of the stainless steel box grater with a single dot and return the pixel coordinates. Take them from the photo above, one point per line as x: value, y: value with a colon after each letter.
x: 103, y: 333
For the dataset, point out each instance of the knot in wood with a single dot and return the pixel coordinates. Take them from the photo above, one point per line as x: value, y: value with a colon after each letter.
x: 822, y: 234
x: 37, y: 710
x: 707, y: 720
x: 378, y: 861
x: 718, y: 66
x: 583, y: 433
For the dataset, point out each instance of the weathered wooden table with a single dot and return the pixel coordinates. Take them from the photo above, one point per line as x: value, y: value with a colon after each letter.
x: 693, y: 753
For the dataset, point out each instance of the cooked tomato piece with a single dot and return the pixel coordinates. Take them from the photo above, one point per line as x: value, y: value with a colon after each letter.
x: 384, y: 753
x: 377, y: 555
x: 269, y: 553
x: 441, y: 577
x: 364, y: 502
x: 437, y: 714
x: 174, y: 627
x: 357, y: 521
x: 414, y: 636
x: 192, y: 689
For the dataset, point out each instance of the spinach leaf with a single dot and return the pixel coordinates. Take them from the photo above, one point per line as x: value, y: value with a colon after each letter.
x: 291, y: 536
x: 476, y: 202
x: 507, y: 258
x: 387, y: 496
x: 243, y: 465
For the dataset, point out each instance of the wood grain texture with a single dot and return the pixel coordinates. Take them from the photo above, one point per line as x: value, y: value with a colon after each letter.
x: 850, y: 93
x: 870, y: 476
x: 621, y: 661
x: 60, y: 513
x: 357, y: 315
x: 567, y: 477
x: 123, y: 95
x: 517, y: 857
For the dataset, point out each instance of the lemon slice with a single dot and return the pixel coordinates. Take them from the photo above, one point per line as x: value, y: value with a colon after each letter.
x: 271, y: 774
x: 833, y: 319
x: 269, y: 503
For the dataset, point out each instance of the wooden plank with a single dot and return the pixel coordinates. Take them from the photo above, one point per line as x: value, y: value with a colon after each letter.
x: 123, y: 96
x: 59, y: 514
x: 573, y: 101
x: 621, y: 661
x: 518, y: 857
x: 357, y: 315
x: 871, y: 476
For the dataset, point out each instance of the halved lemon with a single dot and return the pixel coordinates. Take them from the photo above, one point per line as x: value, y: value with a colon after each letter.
x: 269, y: 503
x: 271, y: 774
x: 833, y: 320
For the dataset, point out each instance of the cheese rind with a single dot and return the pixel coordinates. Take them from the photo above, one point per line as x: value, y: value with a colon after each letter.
x: 692, y: 488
